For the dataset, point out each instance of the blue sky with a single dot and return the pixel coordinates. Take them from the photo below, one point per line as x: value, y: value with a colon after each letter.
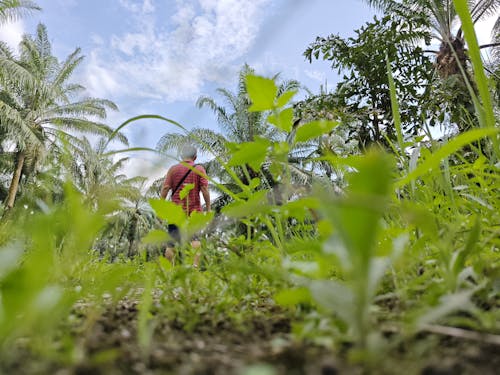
x: 159, y: 56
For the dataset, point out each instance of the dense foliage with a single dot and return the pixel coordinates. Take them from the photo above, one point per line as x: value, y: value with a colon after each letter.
x: 344, y: 225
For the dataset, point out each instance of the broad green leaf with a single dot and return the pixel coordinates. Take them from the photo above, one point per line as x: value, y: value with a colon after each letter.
x: 254, y: 182
x: 283, y: 120
x: 164, y: 263
x: 155, y: 236
x: 262, y: 92
x: 251, y: 153
x: 198, y: 221
x: 300, y: 208
x: 285, y: 98
x: 169, y: 211
x: 314, y: 129
x: 291, y: 297
x: 281, y: 151
x: 356, y: 217
x: 256, y: 204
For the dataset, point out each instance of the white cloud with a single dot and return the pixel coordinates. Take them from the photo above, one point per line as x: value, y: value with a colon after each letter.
x: 101, y: 81
x: 12, y: 33
x: 138, y: 6
x: 316, y: 75
x: 97, y: 39
x: 205, y: 38
x: 152, y: 167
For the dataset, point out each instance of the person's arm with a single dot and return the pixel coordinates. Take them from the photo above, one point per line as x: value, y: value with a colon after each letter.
x: 206, y: 196
x: 166, y: 186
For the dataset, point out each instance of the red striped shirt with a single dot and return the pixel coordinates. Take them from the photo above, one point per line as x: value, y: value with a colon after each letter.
x: 174, y: 176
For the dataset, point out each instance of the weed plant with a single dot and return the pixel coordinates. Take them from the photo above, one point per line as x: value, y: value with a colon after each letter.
x: 410, y: 244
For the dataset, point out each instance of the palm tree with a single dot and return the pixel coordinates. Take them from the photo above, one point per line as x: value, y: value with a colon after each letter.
x: 237, y: 125
x: 98, y: 177
x: 104, y: 187
x: 442, y: 17
x: 14, y: 9
x: 39, y: 107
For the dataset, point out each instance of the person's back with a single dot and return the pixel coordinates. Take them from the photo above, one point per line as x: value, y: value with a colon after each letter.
x: 176, y: 179
x: 182, y: 174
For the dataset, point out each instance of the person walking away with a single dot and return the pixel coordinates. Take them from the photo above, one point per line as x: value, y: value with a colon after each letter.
x: 177, y: 177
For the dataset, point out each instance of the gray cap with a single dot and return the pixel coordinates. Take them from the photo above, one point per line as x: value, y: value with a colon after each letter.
x: 188, y: 151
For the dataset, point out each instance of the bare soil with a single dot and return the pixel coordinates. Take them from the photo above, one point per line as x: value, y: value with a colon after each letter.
x: 110, y: 346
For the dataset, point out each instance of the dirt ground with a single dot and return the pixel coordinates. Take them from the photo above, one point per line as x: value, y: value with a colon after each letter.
x: 262, y: 347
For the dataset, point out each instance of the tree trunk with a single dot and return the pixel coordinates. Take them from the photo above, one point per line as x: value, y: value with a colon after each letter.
x: 451, y: 58
x: 14, y: 185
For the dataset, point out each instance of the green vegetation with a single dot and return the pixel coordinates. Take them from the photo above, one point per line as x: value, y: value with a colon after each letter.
x: 346, y: 238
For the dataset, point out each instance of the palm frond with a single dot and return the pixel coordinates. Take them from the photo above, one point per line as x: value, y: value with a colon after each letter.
x: 11, y: 10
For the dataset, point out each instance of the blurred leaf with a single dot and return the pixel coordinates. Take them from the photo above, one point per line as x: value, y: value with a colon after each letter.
x: 262, y: 92
x: 300, y: 208
x: 255, y: 205
x: 283, y: 120
x: 459, y: 257
x: 198, y: 221
x: 434, y: 160
x: 447, y: 304
x: 314, y: 129
x: 291, y: 297
x: 357, y: 216
x: 169, y: 211
x: 155, y: 236
x: 9, y: 257
x: 335, y: 297
x: 185, y: 191
x: 251, y: 153
x: 285, y: 98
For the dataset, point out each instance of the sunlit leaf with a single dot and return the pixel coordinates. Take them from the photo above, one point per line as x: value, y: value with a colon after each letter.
x: 169, y: 211
x: 262, y: 92
x: 198, y: 221
x: 314, y: 129
x: 285, y: 98
x: 256, y: 204
x: 291, y: 297
x: 283, y: 120
x: 251, y: 153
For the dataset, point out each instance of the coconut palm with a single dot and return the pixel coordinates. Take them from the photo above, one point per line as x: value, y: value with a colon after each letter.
x: 237, y: 123
x: 103, y: 185
x: 39, y: 107
x: 443, y: 21
x: 13, y: 9
x: 441, y: 18
x: 100, y: 178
